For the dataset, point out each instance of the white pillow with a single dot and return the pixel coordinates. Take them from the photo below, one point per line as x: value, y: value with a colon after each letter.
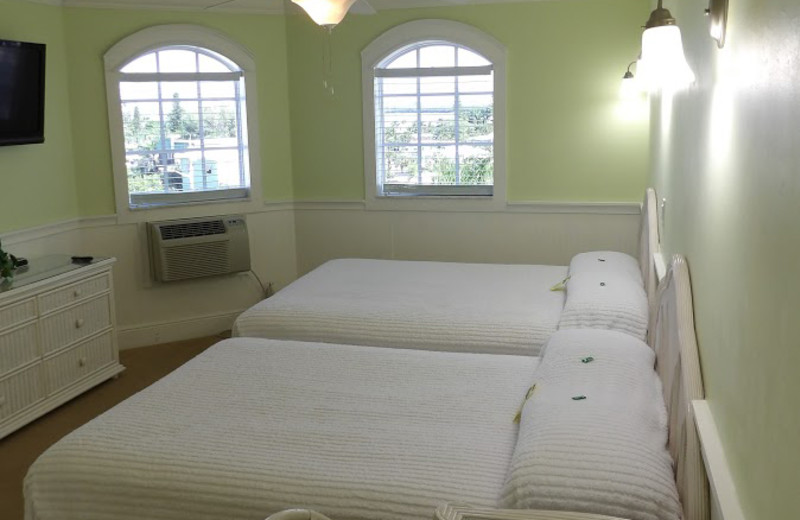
x: 606, y: 262
x: 593, y: 434
x: 605, y: 301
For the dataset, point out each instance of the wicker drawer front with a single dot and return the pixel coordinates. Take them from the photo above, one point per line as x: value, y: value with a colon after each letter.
x: 72, y: 293
x: 20, y: 391
x: 75, y: 323
x: 17, y: 313
x: 18, y: 347
x: 78, y: 362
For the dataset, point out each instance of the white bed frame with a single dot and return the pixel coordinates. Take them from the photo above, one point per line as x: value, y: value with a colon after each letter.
x: 649, y: 245
x: 678, y: 366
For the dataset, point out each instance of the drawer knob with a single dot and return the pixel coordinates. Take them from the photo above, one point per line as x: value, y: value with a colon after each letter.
x: 79, y: 323
x: 82, y: 362
x: 77, y: 293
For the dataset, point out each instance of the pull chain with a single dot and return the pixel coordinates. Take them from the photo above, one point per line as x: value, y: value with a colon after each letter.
x: 327, y: 62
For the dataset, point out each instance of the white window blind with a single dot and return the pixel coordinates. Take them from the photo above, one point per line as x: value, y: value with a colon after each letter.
x: 434, y: 122
x: 183, y: 117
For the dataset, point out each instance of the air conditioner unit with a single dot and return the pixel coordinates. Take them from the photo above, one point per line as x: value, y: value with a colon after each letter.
x: 193, y: 248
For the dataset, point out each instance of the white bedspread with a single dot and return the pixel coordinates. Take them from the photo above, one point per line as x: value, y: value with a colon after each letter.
x: 593, y: 436
x: 254, y: 426
x: 500, y: 309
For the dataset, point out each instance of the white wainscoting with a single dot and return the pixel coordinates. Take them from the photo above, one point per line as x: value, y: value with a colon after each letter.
x: 289, y: 239
x: 524, y: 233
x: 149, y: 313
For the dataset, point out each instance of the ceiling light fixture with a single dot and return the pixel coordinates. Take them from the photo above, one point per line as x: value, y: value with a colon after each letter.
x: 327, y: 13
x: 663, y: 65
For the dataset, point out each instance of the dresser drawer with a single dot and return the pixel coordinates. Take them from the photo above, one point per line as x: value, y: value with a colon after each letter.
x: 18, y: 347
x: 17, y: 313
x: 20, y: 391
x: 78, y: 362
x: 75, y: 323
x: 71, y: 293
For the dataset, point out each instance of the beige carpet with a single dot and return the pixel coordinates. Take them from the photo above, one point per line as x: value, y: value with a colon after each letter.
x: 143, y: 365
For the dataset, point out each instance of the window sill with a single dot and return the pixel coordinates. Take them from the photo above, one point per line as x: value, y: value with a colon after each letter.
x: 177, y: 199
x: 188, y: 210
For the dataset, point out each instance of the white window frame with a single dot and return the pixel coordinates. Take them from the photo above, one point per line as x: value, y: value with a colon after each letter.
x: 451, y: 32
x: 151, y: 39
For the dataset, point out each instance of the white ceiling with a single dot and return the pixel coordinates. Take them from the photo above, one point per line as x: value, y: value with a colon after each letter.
x: 261, y: 6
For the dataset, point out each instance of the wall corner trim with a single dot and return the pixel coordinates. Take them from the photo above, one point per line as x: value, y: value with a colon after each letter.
x: 267, y: 6
x: 596, y: 208
x: 58, y: 3
x: 591, y: 208
x: 725, y: 500
x: 329, y: 204
x: 278, y: 205
x: 21, y: 236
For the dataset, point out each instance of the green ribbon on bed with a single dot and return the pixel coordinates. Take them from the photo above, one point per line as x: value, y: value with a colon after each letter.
x: 528, y: 395
x: 560, y: 286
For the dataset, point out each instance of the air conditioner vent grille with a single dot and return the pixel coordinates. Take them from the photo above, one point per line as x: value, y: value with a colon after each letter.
x: 192, y: 229
x: 196, y: 260
x: 194, y: 248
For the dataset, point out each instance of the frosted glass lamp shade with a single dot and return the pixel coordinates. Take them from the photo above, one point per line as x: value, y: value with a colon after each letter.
x: 326, y: 12
x: 663, y: 65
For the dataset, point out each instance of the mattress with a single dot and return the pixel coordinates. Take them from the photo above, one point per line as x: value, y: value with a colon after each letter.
x: 491, y: 308
x: 252, y: 426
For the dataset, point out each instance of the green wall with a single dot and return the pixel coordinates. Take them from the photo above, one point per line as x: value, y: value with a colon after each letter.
x: 37, y: 182
x: 725, y: 155
x: 566, y: 140
x: 90, y: 33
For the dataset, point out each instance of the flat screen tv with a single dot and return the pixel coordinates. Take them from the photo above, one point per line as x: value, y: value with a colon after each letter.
x: 21, y: 92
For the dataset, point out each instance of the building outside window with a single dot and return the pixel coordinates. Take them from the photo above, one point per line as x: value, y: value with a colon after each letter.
x: 178, y: 116
x: 435, y: 112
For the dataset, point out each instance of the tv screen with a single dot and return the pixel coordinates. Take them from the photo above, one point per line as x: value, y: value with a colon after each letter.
x: 21, y: 92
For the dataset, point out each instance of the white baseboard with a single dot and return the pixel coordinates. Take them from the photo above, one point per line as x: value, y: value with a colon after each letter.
x: 167, y: 332
x: 724, y: 499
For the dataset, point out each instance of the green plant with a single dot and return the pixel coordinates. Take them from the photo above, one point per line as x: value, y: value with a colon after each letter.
x: 7, y: 264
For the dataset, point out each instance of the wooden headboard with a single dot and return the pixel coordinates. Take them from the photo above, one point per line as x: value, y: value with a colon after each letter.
x: 678, y: 366
x: 649, y: 244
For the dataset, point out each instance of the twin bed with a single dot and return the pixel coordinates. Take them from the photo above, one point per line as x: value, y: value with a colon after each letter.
x: 255, y: 426
x: 488, y: 308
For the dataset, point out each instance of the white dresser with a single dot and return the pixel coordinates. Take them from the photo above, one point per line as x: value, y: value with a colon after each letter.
x: 57, y: 336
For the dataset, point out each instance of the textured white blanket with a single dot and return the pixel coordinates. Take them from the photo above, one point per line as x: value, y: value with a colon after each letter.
x: 500, y: 309
x: 597, y: 300
x: 593, y: 435
x: 253, y: 426
x: 608, y: 263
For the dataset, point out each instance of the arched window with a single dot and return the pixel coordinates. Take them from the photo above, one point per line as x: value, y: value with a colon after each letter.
x: 435, y: 123
x: 178, y: 118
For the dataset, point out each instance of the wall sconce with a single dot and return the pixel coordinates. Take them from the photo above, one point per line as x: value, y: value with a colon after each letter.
x: 718, y: 17
x: 662, y: 65
x: 327, y: 13
x: 629, y: 87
